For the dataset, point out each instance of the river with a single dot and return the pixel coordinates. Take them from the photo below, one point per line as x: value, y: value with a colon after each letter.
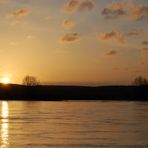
x: 73, y: 124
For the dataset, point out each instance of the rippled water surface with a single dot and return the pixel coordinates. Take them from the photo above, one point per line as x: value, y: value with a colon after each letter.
x: 72, y: 124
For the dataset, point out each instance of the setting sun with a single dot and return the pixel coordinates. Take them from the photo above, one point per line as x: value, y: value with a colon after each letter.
x: 5, y: 80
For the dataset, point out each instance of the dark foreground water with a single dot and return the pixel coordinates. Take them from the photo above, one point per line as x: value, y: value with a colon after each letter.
x: 72, y: 124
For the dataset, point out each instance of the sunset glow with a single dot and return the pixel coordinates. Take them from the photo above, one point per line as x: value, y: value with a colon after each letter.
x: 5, y: 80
x: 74, y: 41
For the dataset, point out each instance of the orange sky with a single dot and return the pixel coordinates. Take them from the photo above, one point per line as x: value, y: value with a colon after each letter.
x: 74, y: 41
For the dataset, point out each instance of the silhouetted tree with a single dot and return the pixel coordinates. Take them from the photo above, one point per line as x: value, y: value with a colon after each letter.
x: 30, y: 81
x: 139, y: 81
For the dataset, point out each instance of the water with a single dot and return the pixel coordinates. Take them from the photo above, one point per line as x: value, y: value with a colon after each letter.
x: 73, y: 124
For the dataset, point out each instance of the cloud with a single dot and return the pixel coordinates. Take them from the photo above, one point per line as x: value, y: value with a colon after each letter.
x: 77, y: 5
x: 144, y: 49
x: 112, y: 52
x: 19, y: 13
x: 68, y: 23
x: 72, y: 5
x: 109, y: 35
x: 138, y: 11
x: 113, y: 11
x: 118, y: 9
x: 136, y: 32
x: 70, y: 37
x: 112, y: 35
x: 145, y: 42
x: 132, y: 33
x: 87, y: 5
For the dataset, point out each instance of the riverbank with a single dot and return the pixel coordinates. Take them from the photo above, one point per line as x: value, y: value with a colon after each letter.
x: 56, y: 93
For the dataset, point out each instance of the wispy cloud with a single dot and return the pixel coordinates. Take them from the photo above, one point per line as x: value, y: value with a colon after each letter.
x: 145, y: 42
x: 72, y: 5
x: 86, y: 5
x: 132, y: 33
x: 118, y: 9
x: 112, y: 35
x: 70, y: 38
x: 19, y: 13
x: 77, y: 5
x: 111, y: 53
x: 138, y: 11
x: 113, y: 11
x: 144, y: 49
x: 68, y: 23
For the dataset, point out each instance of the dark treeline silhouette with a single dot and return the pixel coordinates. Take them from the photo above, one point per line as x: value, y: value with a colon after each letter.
x: 30, y: 81
x: 140, y: 81
x: 38, y: 92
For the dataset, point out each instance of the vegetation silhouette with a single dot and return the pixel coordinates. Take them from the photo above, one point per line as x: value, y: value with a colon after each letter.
x: 32, y: 91
x: 54, y: 93
x: 139, y: 81
x: 30, y: 81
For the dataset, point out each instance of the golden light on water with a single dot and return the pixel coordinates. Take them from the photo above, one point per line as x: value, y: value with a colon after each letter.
x: 5, y: 110
x: 4, y: 125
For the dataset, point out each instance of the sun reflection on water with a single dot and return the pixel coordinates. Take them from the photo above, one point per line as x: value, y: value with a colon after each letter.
x: 4, y: 125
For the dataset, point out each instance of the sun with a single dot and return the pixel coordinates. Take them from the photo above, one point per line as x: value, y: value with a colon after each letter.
x: 5, y: 80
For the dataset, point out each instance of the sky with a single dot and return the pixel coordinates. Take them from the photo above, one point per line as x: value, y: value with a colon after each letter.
x: 74, y: 41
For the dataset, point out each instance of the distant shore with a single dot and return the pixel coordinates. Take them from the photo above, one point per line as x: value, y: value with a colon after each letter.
x: 59, y: 93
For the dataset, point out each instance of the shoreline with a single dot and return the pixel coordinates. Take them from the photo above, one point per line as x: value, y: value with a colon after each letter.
x: 66, y: 93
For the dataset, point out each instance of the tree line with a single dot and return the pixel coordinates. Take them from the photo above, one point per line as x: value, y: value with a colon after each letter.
x: 33, y: 81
